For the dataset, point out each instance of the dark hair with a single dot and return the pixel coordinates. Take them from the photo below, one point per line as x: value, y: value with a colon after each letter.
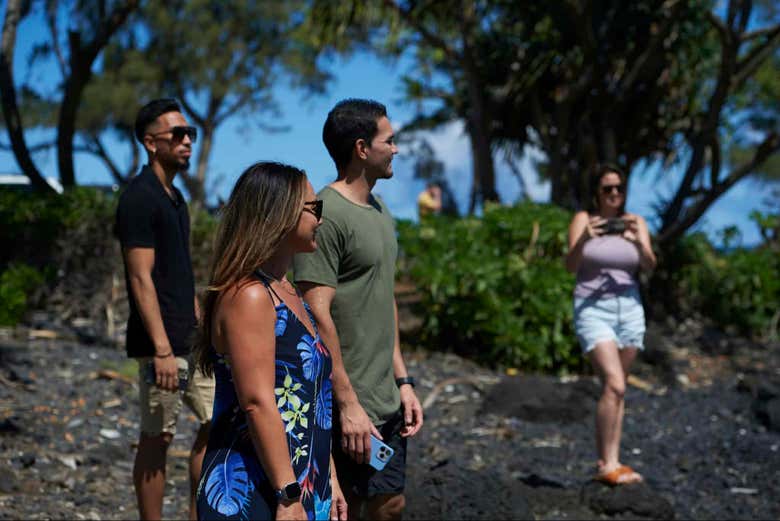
x: 150, y: 112
x: 350, y: 120
x: 599, y: 171
x: 263, y: 208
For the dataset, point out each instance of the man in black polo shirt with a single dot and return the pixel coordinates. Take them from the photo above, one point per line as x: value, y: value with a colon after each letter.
x: 153, y: 226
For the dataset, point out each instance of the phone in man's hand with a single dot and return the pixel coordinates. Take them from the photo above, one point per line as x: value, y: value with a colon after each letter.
x: 150, y: 376
x: 380, y: 453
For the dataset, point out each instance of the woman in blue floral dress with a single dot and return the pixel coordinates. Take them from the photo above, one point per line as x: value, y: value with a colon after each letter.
x: 268, y: 455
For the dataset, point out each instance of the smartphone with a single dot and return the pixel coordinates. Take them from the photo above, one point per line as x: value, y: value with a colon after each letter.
x: 614, y: 226
x: 151, y: 377
x: 380, y: 453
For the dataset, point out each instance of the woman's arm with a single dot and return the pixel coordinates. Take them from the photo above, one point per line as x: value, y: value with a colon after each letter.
x: 582, y: 228
x: 338, y: 504
x: 246, y: 331
x: 638, y: 233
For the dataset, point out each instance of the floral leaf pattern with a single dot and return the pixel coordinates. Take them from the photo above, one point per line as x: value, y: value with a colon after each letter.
x: 311, y: 357
x: 228, y: 485
x: 232, y: 477
x: 281, y: 322
x: 324, y: 406
x: 321, y: 507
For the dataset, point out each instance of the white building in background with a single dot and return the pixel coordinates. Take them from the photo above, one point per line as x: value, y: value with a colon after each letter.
x: 22, y: 182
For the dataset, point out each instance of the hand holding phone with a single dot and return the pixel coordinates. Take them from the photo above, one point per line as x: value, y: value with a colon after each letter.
x: 150, y: 376
x: 380, y: 453
x: 614, y: 226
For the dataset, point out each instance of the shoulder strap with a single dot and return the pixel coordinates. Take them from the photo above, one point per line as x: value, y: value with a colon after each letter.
x: 266, y: 280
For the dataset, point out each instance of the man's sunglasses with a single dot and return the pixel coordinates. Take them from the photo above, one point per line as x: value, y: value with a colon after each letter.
x: 316, y: 208
x: 607, y: 189
x: 178, y: 132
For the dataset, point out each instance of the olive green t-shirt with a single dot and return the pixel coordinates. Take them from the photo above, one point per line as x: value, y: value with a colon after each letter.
x: 356, y: 254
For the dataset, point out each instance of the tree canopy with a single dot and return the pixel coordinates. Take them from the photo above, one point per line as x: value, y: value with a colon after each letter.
x: 220, y: 59
x: 687, y: 86
x: 685, y: 83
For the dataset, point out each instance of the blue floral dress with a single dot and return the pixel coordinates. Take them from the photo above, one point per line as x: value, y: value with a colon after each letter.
x: 233, y: 484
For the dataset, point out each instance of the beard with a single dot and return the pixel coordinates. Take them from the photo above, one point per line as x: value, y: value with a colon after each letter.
x: 179, y: 164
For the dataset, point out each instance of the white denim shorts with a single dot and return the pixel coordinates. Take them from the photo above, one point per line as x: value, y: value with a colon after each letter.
x: 619, y: 318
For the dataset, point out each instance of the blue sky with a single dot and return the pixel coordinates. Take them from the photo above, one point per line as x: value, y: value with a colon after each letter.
x: 239, y: 143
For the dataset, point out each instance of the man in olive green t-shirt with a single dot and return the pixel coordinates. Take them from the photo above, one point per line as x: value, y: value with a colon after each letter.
x: 348, y: 283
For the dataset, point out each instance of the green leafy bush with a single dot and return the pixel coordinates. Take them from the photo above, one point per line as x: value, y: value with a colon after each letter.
x: 740, y: 289
x: 495, y: 288
x: 33, y: 222
x: 16, y: 284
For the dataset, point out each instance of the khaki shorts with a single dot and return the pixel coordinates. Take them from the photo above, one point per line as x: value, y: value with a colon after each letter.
x: 160, y: 409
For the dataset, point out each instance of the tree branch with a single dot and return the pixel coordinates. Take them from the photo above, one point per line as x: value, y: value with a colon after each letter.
x: 13, y: 121
x: 758, y: 33
x: 715, y: 162
x: 188, y: 108
x: 108, y: 27
x: 748, y: 65
x: 644, y: 58
x: 767, y: 148
x: 51, y: 20
x: 428, y: 36
x: 232, y: 108
x: 100, y: 151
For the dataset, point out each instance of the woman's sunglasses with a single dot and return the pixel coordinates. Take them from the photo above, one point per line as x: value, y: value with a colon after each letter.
x: 607, y: 189
x: 178, y: 132
x: 316, y: 208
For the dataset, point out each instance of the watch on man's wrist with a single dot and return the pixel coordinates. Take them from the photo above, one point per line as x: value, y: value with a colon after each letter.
x: 404, y: 380
x: 289, y: 492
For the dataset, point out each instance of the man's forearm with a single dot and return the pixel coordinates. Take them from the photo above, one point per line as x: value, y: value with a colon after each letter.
x: 148, y: 306
x: 399, y: 367
x: 342, y: 387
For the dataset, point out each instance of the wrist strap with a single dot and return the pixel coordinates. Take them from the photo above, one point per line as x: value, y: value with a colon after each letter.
x: 404, y: 380
x: 169, y: 353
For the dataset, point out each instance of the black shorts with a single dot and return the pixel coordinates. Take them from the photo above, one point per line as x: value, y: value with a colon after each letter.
x: 363, y: 480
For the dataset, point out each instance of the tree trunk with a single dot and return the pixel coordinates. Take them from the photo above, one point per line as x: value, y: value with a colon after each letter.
x: 13, y: 15
x: 484, y: 172
x: 207, y: 142
x: 66, y: 125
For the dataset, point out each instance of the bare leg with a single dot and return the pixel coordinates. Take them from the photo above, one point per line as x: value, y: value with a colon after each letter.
x: 149, y: 474
x: 386, y: 507
x: 196, y: 463
x: 627, y: 357
x: 609, y: 413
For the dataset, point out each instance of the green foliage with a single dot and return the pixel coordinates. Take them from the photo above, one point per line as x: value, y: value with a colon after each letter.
x: 33, y: 222
x: 202, y: 231
x: 16, y: 283
x: 495, y: 288
x: 740, y: 289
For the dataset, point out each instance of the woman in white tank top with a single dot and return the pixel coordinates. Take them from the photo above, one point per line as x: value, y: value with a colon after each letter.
x: 607, y: 248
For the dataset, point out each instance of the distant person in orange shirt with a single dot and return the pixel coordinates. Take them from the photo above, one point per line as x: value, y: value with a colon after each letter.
x: 429, y: 201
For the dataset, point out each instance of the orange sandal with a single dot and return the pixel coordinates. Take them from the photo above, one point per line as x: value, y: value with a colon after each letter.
x: 618, y: 476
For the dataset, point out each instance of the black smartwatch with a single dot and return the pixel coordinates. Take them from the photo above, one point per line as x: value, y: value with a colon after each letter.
x: 290, y: 492
x: 404, y: 380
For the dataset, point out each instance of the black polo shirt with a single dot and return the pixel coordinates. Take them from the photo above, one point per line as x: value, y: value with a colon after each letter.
x: 148, y: 218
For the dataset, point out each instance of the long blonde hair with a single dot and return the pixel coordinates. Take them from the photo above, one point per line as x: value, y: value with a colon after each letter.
x: 264, y: 207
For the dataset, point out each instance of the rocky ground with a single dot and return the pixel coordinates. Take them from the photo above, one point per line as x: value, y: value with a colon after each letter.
x: 702, y: 424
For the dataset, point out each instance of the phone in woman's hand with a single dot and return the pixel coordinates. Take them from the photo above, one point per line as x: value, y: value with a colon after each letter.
x: 614, y: 226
